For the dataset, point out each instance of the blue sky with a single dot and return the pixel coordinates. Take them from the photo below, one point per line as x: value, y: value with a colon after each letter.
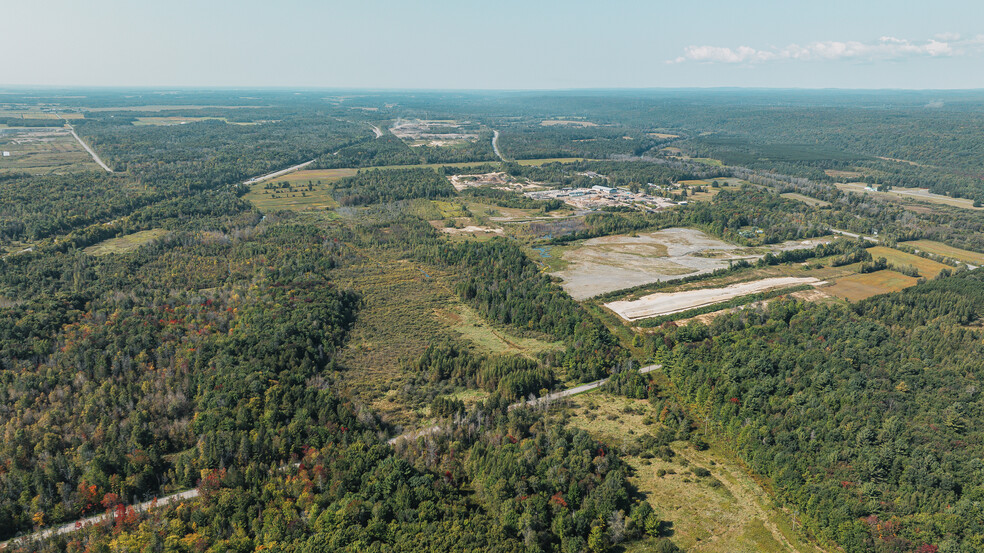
x: 494, y: 44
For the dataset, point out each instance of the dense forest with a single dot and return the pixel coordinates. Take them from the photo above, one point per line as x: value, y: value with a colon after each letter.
x: 208, y: 358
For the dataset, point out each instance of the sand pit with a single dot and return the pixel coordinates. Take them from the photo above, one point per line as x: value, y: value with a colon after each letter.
x: 667, y: 303
x: 610, y: 263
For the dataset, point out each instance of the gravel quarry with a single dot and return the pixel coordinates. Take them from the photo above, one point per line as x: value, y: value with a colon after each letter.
x: 667, y: 303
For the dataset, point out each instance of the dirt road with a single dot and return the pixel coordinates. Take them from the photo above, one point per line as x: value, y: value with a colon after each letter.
x: 79, y: 524
x: 495, y: 145
x: 87, y: 148
x: 545, y: 400
x: 276, y: 174
x: 376, y: 130
x: 193, y: 493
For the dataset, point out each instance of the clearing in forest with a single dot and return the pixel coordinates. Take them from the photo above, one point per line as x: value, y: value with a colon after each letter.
x: 860, y: 286
x: 726, y: 511
x: 470, y: 325
x: 667, y: 303
x: 42, y: 150
x: 124, y: 244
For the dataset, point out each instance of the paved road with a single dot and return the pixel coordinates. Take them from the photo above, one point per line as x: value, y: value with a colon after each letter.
x: 495, y: 144
x: 87, y: 148
x: 545, y: 400
x: 276, y: 174
x: 79, y: 524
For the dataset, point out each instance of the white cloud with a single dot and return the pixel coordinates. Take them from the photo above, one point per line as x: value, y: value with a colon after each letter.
x: 885, y: 48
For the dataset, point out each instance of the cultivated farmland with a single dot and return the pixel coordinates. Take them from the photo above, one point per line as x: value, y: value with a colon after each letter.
x: 860, y: 286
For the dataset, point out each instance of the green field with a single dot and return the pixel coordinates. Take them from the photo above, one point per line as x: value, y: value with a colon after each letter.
x: 726, y: 512
x: 939, y: 248
x: 927, y: 267
x: 126, y: 243
x: 861, y: 286
x: 466, y: 322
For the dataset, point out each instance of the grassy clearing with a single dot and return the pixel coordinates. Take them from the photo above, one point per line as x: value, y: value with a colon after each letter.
x: 397, y: 321
x: 696, y: 182
x: 724, y: 513
x: 805, y: 199
x: 860, y: 286
x: 939, y: 248
x: 909, y: 195
x: 450, y: 209
x: 298, y: 191
x: 927, y: 267
x: 466, y: 322
x: 126, y: 243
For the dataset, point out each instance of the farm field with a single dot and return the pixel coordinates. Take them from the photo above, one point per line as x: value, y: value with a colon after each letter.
x: 42, y: 150
x: 725, y: 512
x: 927, y: 267
x: 939, y: 248
x: 124, y: 244
x: 909, y: 195
x: 610, y: 263
x: 667, y: 303
x: 861, y: 286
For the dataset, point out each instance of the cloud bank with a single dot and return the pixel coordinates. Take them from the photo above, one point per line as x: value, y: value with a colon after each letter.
x: 885, y: 48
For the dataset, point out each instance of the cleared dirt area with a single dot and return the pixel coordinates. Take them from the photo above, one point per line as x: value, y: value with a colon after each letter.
x: 612, y: 263
x: 803, y: 295
x: 667, y: 303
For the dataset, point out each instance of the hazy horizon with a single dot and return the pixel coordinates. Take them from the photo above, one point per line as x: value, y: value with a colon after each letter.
x: 444, y: 45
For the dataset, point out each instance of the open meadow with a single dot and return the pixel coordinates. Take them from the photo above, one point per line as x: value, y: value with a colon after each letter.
x: 722, y: 510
